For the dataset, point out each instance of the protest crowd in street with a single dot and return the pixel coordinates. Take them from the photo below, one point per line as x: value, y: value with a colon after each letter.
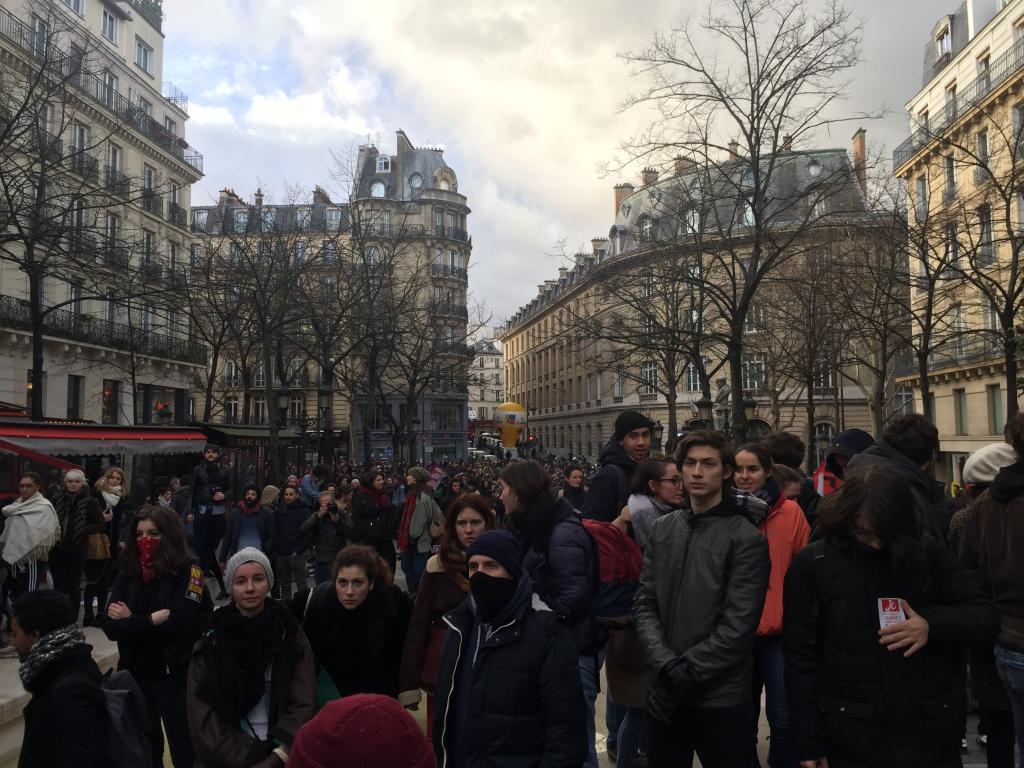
x: 299, y: 623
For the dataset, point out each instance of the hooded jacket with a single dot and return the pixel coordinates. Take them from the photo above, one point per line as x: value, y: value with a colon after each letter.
x: 701, y: 594
x: 509, y: 693
x: 609, y: 488
x: 847, y: 443
x: 992, y: 544
x: 935, y: 506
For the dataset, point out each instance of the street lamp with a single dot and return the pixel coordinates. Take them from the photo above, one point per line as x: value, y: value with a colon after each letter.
x: 749, y: 407
x: 657, y: 432
x: 706, y: 412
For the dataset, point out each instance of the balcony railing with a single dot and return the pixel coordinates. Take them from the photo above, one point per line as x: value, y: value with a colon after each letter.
x: 445, y: 270
x: 117, y: 182
x: 92, y: 330
x: 177, y: 215
x: 83, y: 164
x: 70, y: 69
x: 451, y: 233
x: 175, y: 95
x: 451, y: 308
x: 999, y: 71
x: 152, y: 202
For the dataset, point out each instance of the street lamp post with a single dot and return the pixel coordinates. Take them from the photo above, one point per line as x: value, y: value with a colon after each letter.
x: 706, y: 412
x: 657, y: 432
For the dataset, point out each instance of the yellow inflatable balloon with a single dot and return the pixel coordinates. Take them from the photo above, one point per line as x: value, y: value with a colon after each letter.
x: 510, y: 418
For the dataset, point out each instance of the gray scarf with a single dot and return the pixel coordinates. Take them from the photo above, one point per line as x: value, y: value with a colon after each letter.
x: 51, y: 647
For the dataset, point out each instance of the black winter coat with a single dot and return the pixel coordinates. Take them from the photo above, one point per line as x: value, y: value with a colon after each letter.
x: 525, y: 705
x: 233, y: 532
x: 66, y: 720
x: 288, y: 536
x: 155, y: 651
x: 851, y: 699
x: 206, y: 477
x: 558, y: 555
x: 610, y: 486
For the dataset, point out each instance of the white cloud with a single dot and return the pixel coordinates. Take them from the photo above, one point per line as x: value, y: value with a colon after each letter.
x: 206, y: 116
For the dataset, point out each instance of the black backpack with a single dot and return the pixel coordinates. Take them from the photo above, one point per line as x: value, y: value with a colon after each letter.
x: 129, y: 728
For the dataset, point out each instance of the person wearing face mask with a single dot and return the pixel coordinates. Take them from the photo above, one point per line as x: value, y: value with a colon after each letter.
x: 356, y: 624
x: 31, y: 529
x: 785, y: 527
x: 505, y: 661
x: 445, y: 584
x: 79, y: 515
x: 157, y: 612
x: 250, y: 681
x: 878, y: 616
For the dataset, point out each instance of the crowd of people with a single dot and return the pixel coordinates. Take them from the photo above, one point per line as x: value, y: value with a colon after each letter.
x: 702, y: 582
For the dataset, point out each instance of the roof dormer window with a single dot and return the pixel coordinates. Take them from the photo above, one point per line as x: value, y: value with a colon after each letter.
x: 944, y: 42
x: 383, y: 164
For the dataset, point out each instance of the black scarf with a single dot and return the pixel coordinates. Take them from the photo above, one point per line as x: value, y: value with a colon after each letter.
x: 533, y: 524
x: 53, y: 646
x: 240, y: 650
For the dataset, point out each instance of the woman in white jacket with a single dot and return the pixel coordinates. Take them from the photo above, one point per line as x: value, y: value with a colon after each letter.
x: 31, y: 530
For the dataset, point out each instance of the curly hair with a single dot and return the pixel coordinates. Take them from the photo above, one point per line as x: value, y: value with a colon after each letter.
x: 362, y: 556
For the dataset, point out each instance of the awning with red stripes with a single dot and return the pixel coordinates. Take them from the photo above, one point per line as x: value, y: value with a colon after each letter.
x: 95, y: 440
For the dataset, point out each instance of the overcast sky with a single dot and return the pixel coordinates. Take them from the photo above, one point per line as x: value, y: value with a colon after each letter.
x: 523, y: 96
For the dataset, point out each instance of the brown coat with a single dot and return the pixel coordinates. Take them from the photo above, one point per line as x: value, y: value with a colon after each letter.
x: 224, y: 745
x: 625, y: 667
x: 437, y: 595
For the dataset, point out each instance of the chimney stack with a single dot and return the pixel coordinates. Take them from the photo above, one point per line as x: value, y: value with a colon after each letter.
x: 734, y: 150
x: 649, y: 176
x: 683, y: 165
x: 860, y: 159
x: 562, y: 272
x: 622, y: 191
x: 258, y: 197
x: 320, y: 195
x: 787, y: 143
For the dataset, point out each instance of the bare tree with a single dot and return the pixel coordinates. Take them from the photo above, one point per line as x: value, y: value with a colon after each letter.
x: 767, y: 75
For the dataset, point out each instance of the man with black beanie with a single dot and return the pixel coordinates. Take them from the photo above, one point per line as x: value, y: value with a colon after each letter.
x: 505, y: 659
x: 610, y: 487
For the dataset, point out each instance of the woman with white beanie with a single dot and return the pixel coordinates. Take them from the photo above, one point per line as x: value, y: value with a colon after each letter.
x: 251, y: 680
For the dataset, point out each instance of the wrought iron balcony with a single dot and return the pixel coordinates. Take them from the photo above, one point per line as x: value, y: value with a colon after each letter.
x: 117, y: 182
x: 446, y: 270
x: 70, y: 69
x: 83, y: 164
x: 1000, y: 70
x: 177, y: 215
x: 450, y: 308
x: 91, y: 330
x: 451, y: 233
x: 175, y: 95
x: 152, y: 202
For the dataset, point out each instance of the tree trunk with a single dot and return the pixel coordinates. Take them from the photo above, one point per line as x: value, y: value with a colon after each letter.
x: 211, y: 380
x: 735, y: 355
x: 274, y: 418
x: 924, y: 384
x: 35, y: 303
x: 1010, y: 355
x: 811, y: 415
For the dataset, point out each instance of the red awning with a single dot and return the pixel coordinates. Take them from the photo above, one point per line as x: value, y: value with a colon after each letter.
x: 42, y: 458
x: 93, y: 440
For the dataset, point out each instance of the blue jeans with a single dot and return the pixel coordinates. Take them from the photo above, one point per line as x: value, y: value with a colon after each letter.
x: 769, y: 674
x: 631, y: 733
x: 413, y: 565
x: 1010, y: 666
x: 589, y: 675
x: 614, y: 714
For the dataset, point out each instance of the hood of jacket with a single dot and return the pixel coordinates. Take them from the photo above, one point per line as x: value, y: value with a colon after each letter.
x: 880, y: 453
x: 847, y: 443
x: 1008, y: 483
x: 614, y: 453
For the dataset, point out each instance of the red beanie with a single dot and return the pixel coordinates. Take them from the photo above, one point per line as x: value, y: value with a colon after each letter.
x: 364, y: 731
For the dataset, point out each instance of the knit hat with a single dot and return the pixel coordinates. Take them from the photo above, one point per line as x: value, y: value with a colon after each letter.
x: 630, y: 420
x: 501, y: 546
x: 419, y: 474
x: 983, y: 465
x: 243, y: 556
x: 362, y: 731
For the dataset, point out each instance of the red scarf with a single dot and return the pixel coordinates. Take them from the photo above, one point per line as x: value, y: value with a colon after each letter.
x: 250, y: 510
x: 147, y: 562
x: 380, y: 498
x: 403, y: 528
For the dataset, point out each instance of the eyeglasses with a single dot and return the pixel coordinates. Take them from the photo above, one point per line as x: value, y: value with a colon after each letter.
x: 676, y: 481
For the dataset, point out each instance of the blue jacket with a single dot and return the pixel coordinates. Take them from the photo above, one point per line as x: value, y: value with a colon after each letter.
x: 309, y: 490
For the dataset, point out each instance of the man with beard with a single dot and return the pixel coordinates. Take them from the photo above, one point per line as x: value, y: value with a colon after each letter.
x: 58, y: 670
x: 251, y: 525
x: 211, y: 486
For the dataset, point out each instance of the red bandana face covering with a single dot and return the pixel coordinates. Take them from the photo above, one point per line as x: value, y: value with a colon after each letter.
x: 147, y: 548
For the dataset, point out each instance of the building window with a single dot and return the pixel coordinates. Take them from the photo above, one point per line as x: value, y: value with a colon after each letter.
x: 148, y: 247
x: 40, y: 36
x: 383, y: 164
x: 110, y: 93
x: 333, y: 218
x: 903, y: 403
x: 259, y: 410
x: 232, y: 374
x: 241, y: 221
x: 111, y: 409
x: 981, y: 172
x: 109, y: 28
x: 755, y: 319
x: 691, y: 221
x: 649, y: 379
x: 619, y: 387
x: 755, y: 371
x: 921, y: 197
x: 377, y: 189
x: 231, y: 409
x: 960, y: 411
x: 951, y: 106
x: 748, y: 214
x: 170, y: 126
x: 950, y: 187
x: 267, y: 218
x: 297, y: 407
x: 445, y: 418
x: 302, y: 218
x: 994, y: 398
x: 952, y: 251
x: 259, y: 378
x: 76, y: 396
x: 646, y: 225
x: 944, y: 42
x: 300, y: 251
x: 78, y: 6
x: 824, y: 378
x: 199, y: 220
x: 143, y: 56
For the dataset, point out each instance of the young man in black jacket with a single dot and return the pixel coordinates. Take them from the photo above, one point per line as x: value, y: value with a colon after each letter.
x: 66, y: 720
x: 610, y: 488
x: 696, y: 619
x: 505, y: 662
